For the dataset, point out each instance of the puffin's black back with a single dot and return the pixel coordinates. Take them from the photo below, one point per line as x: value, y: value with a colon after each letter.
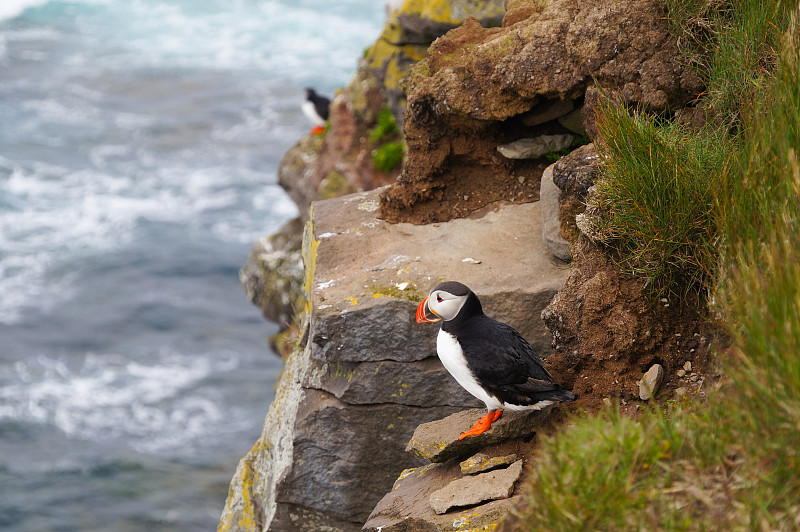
x: 321, y: 103
x: 503, y: 362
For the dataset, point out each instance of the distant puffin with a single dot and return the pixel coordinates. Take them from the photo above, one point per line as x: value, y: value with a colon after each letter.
x: 488, y: 358
x: 316, y: 108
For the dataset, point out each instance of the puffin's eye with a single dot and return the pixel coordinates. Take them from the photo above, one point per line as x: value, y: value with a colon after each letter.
x: 439, y: 298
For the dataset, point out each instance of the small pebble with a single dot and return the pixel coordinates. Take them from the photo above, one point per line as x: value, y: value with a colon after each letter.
x: 681, y: 373
x: 688, y: 365
x: 648, y: 385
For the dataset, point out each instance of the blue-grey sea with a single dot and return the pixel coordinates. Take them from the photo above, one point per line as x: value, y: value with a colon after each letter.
x: 139, y: 142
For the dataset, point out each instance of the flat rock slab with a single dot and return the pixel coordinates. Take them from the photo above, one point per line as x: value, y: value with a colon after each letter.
x: 406, y: 507
x: 475, y: 489
x: 480, y: 463
x: 437, y: 441
x: 370, y: 276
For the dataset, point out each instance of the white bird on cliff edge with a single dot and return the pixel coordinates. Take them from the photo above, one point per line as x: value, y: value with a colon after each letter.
x: 317, y: 109
x: 490, y: 359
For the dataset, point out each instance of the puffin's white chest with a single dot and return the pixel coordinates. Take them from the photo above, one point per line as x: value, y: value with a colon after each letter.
x: 452, y: 356
x: 311, y: 113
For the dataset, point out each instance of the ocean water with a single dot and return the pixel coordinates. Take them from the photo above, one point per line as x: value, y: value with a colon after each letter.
x: 139, y: 141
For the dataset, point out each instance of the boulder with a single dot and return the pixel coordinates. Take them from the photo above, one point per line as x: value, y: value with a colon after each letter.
x: 364, y: 374
x: 437, y: 441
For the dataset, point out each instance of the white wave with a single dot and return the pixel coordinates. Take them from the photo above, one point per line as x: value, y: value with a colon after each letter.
x: 152, y: 407
x: 10, y: 9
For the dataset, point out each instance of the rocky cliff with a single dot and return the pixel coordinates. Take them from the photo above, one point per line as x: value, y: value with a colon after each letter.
x: 478, y: 200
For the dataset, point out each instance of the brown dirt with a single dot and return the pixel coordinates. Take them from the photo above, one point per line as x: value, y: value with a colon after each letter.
x: 471, y: 92
x: 606, y: 335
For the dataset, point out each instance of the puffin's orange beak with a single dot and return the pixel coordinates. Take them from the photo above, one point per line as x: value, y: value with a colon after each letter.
x: 425, y: 314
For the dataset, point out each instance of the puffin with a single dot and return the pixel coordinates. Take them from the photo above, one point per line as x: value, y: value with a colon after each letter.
x: 316, y: 108
x: 488, y: 358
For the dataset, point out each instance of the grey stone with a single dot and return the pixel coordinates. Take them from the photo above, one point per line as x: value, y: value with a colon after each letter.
x: 534, y: 147
x: 574, y: 122
x: 547, y: 110
x: 475, y: 489
x: 360, y: 314
x: 577, y: 171
x: 648, y: 385
x: 479, y: 463
x: 406, y: 507
x: 420, y: 383
x: 334, y: 437
x: 549, y: 195
x: 336, y: 468
x: 438, y: 441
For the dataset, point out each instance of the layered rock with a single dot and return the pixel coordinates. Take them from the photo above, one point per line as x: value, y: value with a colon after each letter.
x: 480, y: 88
x: 365, y: 375
x: 410, y: 30
x: 462, y: 489
x: 340, y: 161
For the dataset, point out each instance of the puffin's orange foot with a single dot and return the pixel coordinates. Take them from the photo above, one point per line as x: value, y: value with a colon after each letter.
x: 483, y: 424
x: 317, y: 130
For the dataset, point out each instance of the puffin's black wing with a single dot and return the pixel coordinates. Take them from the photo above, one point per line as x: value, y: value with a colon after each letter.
x: 506, y: 365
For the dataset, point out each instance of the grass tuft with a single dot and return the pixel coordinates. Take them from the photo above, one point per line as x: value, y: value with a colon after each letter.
x: 657, y: 195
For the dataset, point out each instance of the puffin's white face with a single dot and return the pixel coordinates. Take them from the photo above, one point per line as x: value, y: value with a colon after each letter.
x: 445, y: 305
x: 444, y: 302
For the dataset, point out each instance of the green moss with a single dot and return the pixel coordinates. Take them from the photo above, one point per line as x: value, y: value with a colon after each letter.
x: 453, y: 12
x: 388, y: 156
x: 385, y: 127
x: 410, y: 293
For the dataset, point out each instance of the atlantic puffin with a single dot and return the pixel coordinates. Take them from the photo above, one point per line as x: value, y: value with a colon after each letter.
x: 316, y: 108
x: 490, y: 359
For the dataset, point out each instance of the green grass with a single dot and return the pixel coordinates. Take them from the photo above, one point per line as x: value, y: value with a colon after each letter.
x: 731, y: 462
x: 657, y: 195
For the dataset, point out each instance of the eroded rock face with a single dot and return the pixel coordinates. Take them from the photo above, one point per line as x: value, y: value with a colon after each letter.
x: 410, y: 30
x: 273, y: 276
x: 407, y: 508
x: 478, y: 88
x: 606, y: 333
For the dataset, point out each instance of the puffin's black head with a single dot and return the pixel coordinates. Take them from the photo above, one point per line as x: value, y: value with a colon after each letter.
x: 448, y: 300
